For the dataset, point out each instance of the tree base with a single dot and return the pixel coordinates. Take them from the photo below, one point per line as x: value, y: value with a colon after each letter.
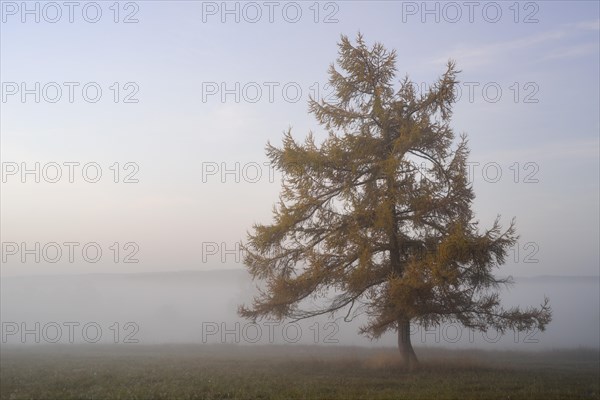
x: 407, y: 354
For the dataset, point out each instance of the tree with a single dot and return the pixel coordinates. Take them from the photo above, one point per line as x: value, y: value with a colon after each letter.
x: 377, y: 218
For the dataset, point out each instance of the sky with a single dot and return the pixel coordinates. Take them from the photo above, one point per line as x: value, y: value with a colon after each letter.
x: 147, y: 122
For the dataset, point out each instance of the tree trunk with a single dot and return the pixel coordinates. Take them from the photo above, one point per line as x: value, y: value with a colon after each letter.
x: 409, y: 358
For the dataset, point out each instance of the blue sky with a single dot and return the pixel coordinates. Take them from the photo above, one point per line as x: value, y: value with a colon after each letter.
x: 533, y: 116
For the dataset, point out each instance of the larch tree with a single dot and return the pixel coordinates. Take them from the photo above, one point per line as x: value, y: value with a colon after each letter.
x: 376, y: 219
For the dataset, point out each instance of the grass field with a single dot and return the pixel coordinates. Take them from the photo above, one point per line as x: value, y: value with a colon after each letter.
x: 301, y: 372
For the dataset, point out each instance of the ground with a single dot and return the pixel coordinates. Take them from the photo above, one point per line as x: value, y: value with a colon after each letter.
x: 300, y: 372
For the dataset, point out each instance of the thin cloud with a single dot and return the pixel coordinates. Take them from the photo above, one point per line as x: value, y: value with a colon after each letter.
x: 580, y: 150
x: 593, y: 25
x: 487, y: 54
x: 472, y: 57
x: 574, y: 51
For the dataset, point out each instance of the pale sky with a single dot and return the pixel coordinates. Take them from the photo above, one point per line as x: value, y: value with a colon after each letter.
x: 211, y: 92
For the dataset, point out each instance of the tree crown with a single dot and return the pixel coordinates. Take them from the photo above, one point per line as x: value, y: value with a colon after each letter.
x: 377, y: 218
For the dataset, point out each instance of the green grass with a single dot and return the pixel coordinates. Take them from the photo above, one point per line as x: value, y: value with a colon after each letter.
x: 282, y: 372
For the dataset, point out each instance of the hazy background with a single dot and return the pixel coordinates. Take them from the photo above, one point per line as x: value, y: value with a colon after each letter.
x: 195, y: 133
x: 200, y: 307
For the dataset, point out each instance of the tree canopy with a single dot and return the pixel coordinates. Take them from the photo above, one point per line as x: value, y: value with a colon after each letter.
x: 377, y: 217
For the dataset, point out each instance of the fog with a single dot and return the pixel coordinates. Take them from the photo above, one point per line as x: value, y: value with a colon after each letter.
x: 200, y: 307
x: 162, y: 174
